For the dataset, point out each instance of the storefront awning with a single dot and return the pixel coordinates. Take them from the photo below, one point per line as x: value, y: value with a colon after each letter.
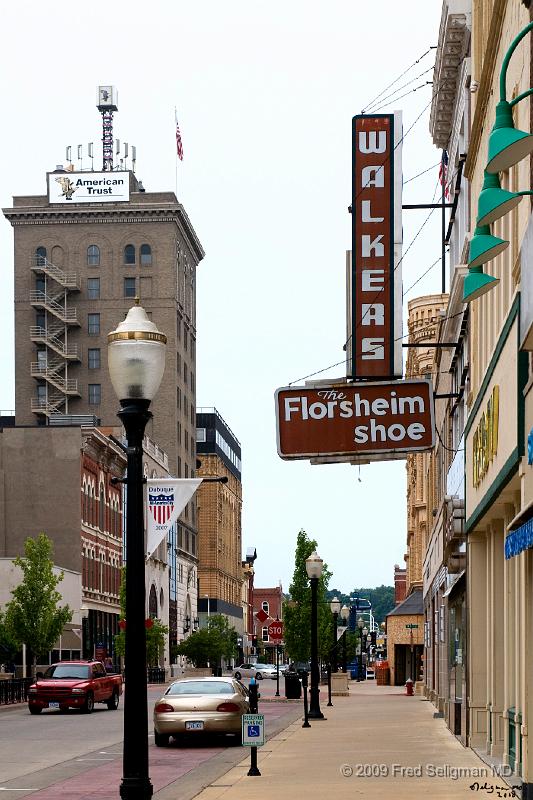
x: 519, y: 539
x: 454, y: 584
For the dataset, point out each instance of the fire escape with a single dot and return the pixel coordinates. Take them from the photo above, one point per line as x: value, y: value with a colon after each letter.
x: 55, y: 354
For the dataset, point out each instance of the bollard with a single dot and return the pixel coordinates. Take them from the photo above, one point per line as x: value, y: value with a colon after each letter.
x: 409, y: 687
x: 254, y: 696
x: 306, y: 707
x: 328, y: 670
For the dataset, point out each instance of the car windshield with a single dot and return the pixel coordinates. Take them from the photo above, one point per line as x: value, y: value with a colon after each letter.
x: 67, y: 671
x: 201, y: 687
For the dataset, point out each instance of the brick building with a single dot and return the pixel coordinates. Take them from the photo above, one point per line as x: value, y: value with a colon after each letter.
x: 220, y: 572
x: 269, y: 600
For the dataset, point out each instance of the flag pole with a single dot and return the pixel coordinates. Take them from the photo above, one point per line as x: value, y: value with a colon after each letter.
x: 176, y: 153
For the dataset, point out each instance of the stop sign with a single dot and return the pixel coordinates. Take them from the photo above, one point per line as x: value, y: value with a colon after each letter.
x: 275, y: 630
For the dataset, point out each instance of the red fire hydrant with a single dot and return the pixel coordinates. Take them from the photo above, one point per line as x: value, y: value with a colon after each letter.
x: 409, y: 687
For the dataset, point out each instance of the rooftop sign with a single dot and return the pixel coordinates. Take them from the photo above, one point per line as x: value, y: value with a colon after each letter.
x: 355, y: 419
x: 88, y: 187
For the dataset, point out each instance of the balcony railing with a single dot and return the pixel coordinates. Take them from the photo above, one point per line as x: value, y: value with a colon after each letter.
x: 42, y: 300
x: 69, y: 280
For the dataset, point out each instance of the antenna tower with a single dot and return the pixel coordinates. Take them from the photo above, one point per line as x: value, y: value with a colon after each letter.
x: 107, y: 104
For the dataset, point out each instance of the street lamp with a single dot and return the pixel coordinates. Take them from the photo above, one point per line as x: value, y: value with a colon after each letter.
x: 136, y: 357
x: 314, y: 565
x: 335, y: 607
x: 360, y: 625
x: 345, y: 615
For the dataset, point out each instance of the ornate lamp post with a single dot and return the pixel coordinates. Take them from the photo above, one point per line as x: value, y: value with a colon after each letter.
x: 335, y: 607
x: 136, y: 357
x: 314, y: 565
x: 360, y: 625
x: 363, y: 644
x: 345, y: 615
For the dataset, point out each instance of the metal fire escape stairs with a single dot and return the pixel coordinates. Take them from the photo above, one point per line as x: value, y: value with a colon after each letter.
x: 55, y: 353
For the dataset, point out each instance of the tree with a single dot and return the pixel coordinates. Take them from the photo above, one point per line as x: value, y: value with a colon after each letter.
x: 211, y: 644
x: 297, y: 612
x: 8, y: 646
x: 155, y: 633
x: 33, y: 617
x: 381, y: 597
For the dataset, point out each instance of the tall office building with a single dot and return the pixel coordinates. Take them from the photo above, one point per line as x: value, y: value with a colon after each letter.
x: 83, y: 250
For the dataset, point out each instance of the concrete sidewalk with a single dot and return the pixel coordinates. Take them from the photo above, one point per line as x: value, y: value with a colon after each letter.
x: 374, y: 743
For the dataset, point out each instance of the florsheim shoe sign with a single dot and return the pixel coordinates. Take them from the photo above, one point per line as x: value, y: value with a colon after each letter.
x: 355, y: 419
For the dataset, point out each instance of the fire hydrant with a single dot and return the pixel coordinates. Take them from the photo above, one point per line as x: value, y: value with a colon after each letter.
x: 409, y: 687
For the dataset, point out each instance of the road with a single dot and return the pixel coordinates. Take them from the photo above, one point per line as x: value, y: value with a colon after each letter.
x: 77, y: 756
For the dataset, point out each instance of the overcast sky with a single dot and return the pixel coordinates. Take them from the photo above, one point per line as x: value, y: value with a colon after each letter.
x: 265, y: 93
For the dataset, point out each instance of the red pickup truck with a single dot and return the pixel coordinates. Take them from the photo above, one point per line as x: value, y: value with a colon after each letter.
x: 75, y: 684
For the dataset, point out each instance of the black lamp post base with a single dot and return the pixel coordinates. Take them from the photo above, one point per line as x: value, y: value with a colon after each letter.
x: 136, y: 789
x: 315, y: 714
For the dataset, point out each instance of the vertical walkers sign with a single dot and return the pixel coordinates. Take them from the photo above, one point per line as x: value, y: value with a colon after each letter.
x: 374, y: 272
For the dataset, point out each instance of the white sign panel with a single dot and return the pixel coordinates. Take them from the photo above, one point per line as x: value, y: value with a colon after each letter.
x: 88, y: 187
x: 166, y: 499
x: 253, y: 730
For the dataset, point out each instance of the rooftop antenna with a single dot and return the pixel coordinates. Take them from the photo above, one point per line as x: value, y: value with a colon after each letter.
x: 90, y: 152
x: 107, y: 104
x: 126, y: 150
x: 80, y: 156
x: 133, y: 157
x: 68, y: 154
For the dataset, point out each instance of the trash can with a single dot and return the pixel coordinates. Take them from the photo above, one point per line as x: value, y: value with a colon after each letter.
x: 293, y: 687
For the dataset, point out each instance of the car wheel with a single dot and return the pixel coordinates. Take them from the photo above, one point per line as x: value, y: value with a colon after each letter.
x: 237, y: 676
x: 35, y: 709
x: 113, y: 701
x: 161, y: 739
x: 88, y: 706
x: 258, y: 676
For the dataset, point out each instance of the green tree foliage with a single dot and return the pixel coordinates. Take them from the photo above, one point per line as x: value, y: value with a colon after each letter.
x: 381, y: 597
x: 297, y: 611
x: 8, y: 646
x: 211, y: 644
x: 33, y: 617
x: 155, y: 635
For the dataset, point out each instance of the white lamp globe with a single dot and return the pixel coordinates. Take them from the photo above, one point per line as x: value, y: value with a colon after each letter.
x: 136, y: 356
x: 314, y: 565
x: 335, y: 605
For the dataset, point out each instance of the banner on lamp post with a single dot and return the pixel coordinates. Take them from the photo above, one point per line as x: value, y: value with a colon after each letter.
x: 165, y: 500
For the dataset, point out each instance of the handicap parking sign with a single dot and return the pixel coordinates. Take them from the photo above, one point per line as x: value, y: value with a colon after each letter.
x: 253, y: 730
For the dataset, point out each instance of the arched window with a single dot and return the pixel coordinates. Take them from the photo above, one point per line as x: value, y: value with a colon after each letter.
x: 129, y: 254
x: 93, y: 255
x: 152, y: 602
x: 265, y: 606
x: 101, y: 515
x: 146, y: 255
x: 40, y: 256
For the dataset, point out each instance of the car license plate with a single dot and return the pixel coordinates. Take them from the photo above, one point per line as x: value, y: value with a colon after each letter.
x: 53, y: 705
x: 194, y: 726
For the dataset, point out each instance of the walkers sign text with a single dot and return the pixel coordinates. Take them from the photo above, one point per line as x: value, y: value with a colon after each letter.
x: 375, y: 280
x: 88, y: 187
x: 353, y: 418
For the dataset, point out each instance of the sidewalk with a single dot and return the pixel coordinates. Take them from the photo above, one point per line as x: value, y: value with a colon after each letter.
x: 374, y: 743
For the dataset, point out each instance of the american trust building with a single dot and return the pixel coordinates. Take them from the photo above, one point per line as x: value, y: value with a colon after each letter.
x: 478, y: 567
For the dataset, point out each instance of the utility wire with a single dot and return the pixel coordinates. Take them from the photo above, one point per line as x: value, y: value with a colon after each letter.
x: 421, y: 173
x: 372, y: 102
x: 385, y: 100
x: 401, y: 96
x: 422, y: 276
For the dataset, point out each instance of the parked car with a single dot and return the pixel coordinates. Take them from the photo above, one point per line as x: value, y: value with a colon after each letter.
x: 258, y: 671
x: 75, y: 684
x: 200, y: 705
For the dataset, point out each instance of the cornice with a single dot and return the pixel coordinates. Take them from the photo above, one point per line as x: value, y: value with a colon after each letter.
x: 485, y: 85
x: 39, y: 215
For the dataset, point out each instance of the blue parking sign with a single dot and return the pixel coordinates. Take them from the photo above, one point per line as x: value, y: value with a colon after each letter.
x: 253, y: 730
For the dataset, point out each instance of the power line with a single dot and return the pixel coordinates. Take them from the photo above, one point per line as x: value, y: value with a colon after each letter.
x: 385, y: 100
x: 372, y: 102
x: 421, y: 173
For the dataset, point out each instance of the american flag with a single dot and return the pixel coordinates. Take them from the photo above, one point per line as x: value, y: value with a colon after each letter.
x: 179, y: 143
x: 443, y: 174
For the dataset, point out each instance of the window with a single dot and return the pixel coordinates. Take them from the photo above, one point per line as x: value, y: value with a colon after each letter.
x: 93, y: 324
x: 95, y: 394
x: 265, y: 606
x: 94, y: 357
x: 101, y: 506
x: 40, y: 256
x: 146, y: 255
x: 200, y: 434
x: 264, y: 634
x: 129, y: 287
x: 40, y: 285
x: 185, y: 338
x: 93, y: 255
x: 40, y: 319
x: 93, y: 288
x: 129, y: 254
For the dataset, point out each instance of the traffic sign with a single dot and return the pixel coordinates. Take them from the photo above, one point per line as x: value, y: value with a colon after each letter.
x: 261, y: 615
x: 275, y: 630
x: 253, y: 730
x: 411, y: 626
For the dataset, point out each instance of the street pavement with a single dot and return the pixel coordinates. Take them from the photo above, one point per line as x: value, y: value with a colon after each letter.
x: 375, y: 742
